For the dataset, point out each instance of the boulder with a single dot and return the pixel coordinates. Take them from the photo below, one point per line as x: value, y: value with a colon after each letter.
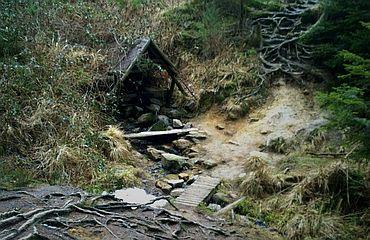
x: 174, y: 163
x: 182, y: 144
x: 158, y: 126
x: 154, y: 154
x: 177, y: 192
x: 164, y: 186
x: 146, y: 119
x: 176, y: 183
x: 162, y: 124
x: 177, y: 123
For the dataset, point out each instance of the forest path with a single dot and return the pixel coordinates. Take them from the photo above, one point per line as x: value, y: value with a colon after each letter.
x: 288, y: 111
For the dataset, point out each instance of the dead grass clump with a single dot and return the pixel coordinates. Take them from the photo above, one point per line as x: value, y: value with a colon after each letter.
x: 345, y: 188
x: 120, y: 150
x: 254, y: 163
x: 313, y: 224
x: 261, y: 180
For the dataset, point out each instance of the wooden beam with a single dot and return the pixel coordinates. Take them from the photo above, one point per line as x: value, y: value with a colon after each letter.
x: 159, y: 133
x: 127, y: 62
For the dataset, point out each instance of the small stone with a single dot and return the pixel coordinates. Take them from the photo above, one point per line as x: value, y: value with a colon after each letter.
x: 177, y: 192
x: 229, y: 133
x: 254, y: 119
x: 188, y: 125
x: 264, y: 132
x: 214, y: 207
x: 177, y: 123
x: 176, y: 183
x: 220, y: 127
x: 154, y: 154
x: 242, y: 175
x: 233, y: 143
x: 184, y: 176
x: 164, y: 186
x: 182, y: 144
x: 146, y: 119
x: 209, y: 164
x: 193, y: 155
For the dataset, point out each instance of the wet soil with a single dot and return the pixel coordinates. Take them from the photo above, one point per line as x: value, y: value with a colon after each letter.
x: 288, y: 111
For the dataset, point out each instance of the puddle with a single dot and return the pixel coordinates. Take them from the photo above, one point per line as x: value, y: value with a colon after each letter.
x: 138, y: 196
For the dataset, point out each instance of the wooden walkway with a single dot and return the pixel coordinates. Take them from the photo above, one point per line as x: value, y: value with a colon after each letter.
x: 197, y: 192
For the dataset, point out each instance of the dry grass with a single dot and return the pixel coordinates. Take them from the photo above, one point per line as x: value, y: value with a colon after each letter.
x: 120, y: 150
x: 261, y: 180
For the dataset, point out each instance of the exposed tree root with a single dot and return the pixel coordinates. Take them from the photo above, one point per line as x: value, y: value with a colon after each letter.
x: 280, y: 50
x: 58, y: 214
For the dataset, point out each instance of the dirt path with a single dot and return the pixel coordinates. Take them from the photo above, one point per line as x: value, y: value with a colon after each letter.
x: 287, y: 111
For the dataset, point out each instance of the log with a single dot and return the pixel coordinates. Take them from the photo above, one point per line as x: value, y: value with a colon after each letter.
x: 229, y: 207
x: 159, y: 133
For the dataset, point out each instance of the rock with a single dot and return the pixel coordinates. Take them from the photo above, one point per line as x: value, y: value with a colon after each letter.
x: 174, y: 113
x: 214, y: 207
x: 184, y: 176
x: 174, y: 163
x: 229, y: 133
x: 220, y: 127
x: 221, y: 198
x: 154, y: 154
x: 156, y: 101
x: 146, y: 119
x: 209, y: 164
x: 197, y: 135
x: 164, y: 119
x: 176, y: 183
x: 177, y: 123
x: 182, y: 144
x: 190, y: 105
x: 169, y: 128
x: 164, y: 186
x: 264, y: 132
x: 254, y: 119
x: 233, y: 143
x: 158, y: 126
x: 162, y: 124
x: 242, y: 175
x: 188, y: 125
x: 193, y: 155
x: 177, y: 192
x: 154, y: 108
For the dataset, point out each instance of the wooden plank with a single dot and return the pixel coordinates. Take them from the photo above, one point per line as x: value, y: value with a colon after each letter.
x: 159, y: 133
x: 198, y: 192
x: 126, y: 64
